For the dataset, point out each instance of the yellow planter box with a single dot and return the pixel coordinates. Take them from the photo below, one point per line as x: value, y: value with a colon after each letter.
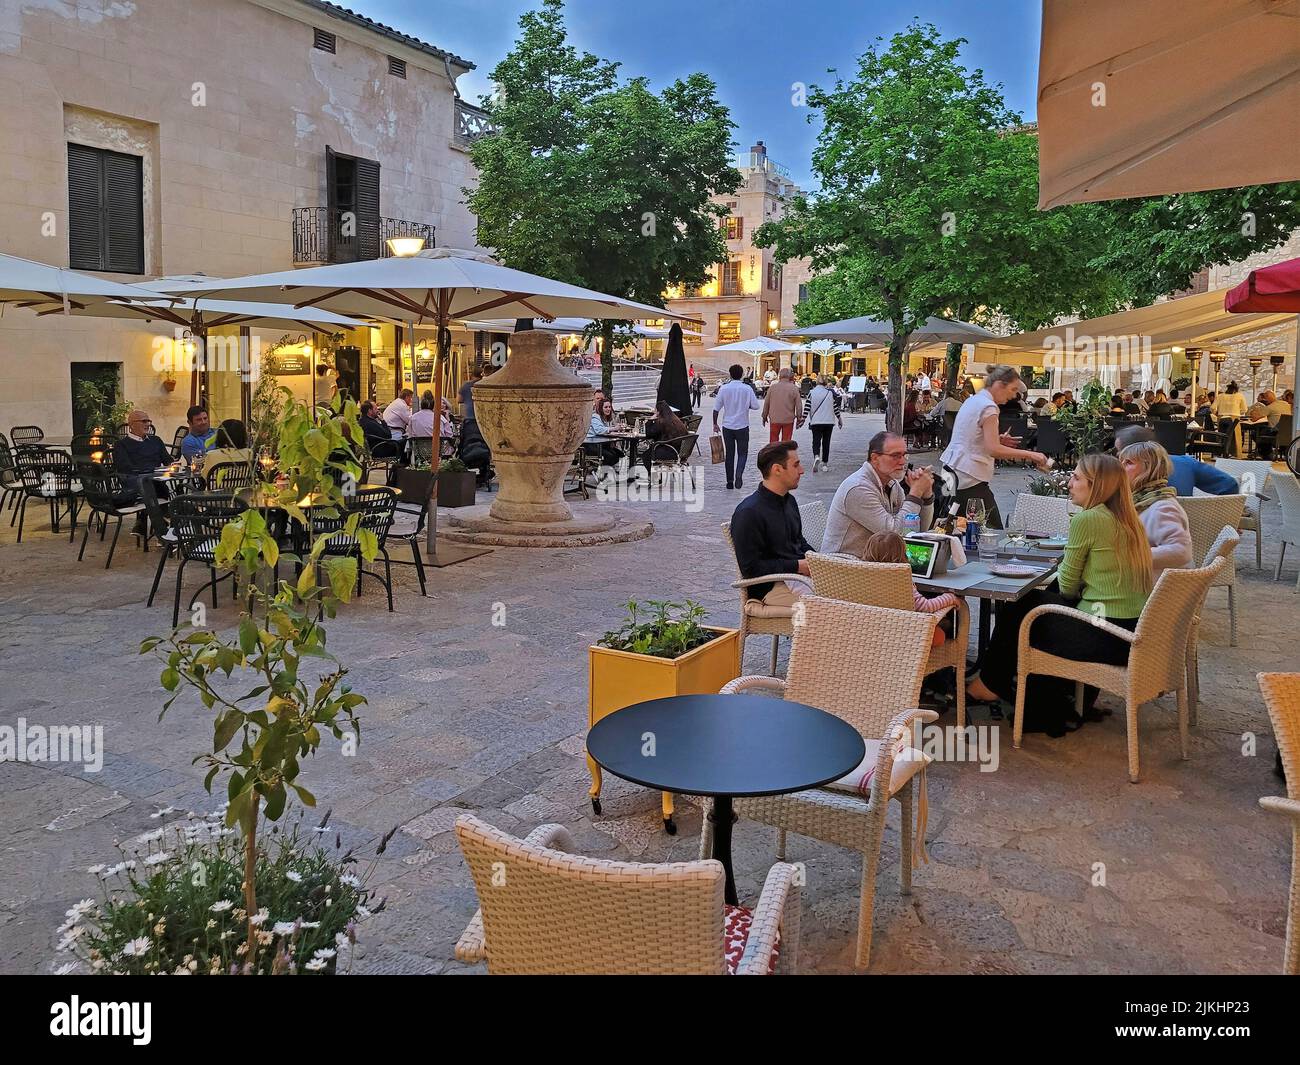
x: 616, y: 679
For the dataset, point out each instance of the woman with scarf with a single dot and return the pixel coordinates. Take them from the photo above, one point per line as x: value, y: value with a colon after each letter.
x: 1147, y: 466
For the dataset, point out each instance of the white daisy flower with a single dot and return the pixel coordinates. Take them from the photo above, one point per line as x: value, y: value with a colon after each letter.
x: 349, y: 880
x: 136, y: 948
x: 325, y: 952
x: 295, y: 877
x: 308, y: 924
x: 80, y: 909
x: 152, y: 837
x: 316, y: 965
x: 221, y: 906
x: 157, y: 859
x: 363, y: 911
x: 97, y: 869
x: 259, y: 917
x: 67, y: 968
x: 284, y: 928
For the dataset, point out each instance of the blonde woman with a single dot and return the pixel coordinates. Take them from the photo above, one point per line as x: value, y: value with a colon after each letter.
x: 1105, y: 572
x: 1147, y: 466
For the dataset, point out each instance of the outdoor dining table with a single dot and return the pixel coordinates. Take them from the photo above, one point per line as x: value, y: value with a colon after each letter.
x: 633, y: 439
x: 976, y: 581
x: 725, y: 747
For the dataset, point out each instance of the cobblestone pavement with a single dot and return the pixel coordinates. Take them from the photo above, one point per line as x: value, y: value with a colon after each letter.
x: 465, y: 715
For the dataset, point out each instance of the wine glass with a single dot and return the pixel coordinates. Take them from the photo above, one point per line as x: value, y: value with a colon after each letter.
x: 975, y: 511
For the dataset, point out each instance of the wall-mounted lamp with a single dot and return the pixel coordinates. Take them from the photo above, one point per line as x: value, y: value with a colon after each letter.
x: 404, y: 247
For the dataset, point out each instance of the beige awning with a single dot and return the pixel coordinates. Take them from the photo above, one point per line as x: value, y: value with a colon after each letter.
x: 1129, y: 336
x: 1153, y: 97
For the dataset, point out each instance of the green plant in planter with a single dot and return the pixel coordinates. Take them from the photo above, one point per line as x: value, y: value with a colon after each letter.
x: 1085, y: 424
x: 452, y: 465
x: 261, y: 736
x: 94, y: 399
x: 670, y: 631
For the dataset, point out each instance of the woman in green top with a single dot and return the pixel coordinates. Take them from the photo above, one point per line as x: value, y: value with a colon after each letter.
x: 1105, y: 572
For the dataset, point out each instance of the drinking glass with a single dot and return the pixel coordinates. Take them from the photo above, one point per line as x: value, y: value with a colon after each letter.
x: 975, y: 511
x: 988, y: 545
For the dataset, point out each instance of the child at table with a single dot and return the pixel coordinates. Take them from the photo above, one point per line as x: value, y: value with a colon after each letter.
x: 889, y: 547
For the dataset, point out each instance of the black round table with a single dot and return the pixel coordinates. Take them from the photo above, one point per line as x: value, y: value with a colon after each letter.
x: 726, y: 747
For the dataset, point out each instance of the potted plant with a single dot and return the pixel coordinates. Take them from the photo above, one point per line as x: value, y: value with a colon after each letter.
x: 662, y: 651
x: 1085, y: 424
x: 455, y: 484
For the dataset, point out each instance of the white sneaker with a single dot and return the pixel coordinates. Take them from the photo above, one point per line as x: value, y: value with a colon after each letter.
x: 817, y: 465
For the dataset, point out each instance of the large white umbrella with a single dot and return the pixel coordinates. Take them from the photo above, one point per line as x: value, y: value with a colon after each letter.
x: 760, y: 345
x: 438, y: 286
x: 155, y: 304
x: 874, y: 331
x: 565, y: 326
x: 1163, y: 96
x: 31, y: 284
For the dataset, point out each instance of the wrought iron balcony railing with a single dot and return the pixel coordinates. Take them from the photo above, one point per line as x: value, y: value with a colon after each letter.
x: 322, y: 236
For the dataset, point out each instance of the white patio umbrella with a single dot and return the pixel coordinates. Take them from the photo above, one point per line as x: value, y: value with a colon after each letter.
x: 1163, y: 96
x: 155, y: 304
x: 438, y: 286
x: 565, y: 326
x: 760, y: 345
x: 874, y: 331
x: 28, y: 283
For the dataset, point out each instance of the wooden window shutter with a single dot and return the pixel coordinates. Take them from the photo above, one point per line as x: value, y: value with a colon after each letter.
x: 85, y: 208
x: 367, y: 209
x: 123, y: 213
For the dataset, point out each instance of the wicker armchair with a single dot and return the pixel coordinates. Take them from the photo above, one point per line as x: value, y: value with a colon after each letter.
x: 1224, y: 545
x: 1049, y: 515
x: 544, y: 911
x: 1157, y: 661
x: 1253, y: 476
x: 1288, y: 497
x: 1282, y: 697
x: 1206, y: 516
x: 890, y: 585
x: 756, y: 619
x: 880, y: 705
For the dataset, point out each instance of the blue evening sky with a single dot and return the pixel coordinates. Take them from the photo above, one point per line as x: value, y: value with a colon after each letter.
x: 755, y: 50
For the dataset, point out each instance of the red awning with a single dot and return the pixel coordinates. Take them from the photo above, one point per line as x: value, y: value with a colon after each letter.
x: 1270, y: 288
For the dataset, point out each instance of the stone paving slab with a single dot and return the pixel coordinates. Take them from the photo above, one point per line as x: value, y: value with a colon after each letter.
x: 1054, y: 863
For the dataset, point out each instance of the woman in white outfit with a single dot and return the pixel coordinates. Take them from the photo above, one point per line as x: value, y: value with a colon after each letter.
x: 1147, y: 466
x: 976, y: 444
x: 821, y: 410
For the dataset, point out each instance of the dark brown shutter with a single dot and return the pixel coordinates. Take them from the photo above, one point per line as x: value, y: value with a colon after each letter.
x: 123, y: 213
x: 85, y: 208
x: 367, y: 209
x: 331, y: 203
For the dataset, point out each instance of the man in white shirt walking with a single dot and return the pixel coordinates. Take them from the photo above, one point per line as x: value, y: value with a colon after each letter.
x: 734, y: 401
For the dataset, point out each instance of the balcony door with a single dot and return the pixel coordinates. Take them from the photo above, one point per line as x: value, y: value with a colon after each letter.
x: 352, y: 190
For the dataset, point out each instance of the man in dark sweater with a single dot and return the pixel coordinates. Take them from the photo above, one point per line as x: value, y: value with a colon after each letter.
x: 766, y: 527
x: 138, y: 453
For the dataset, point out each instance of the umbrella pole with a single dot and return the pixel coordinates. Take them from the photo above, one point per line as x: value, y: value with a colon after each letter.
x: 449, y: 554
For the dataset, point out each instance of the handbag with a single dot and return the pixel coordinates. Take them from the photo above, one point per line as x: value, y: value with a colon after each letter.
x: 716, y: 450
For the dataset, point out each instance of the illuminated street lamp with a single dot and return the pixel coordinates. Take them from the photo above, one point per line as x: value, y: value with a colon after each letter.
x: 403, y: 247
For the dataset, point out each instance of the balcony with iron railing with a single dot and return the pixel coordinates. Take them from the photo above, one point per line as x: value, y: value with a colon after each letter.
x: 471, y: 123
x: 324, y: 236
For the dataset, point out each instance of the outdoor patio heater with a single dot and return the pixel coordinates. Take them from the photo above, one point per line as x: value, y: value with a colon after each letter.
x: 1255, y: 362
x: 1217, y: 359
x: 1276, y: 362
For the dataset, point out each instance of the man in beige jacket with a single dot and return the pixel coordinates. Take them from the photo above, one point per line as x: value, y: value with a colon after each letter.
x: 783, y: 407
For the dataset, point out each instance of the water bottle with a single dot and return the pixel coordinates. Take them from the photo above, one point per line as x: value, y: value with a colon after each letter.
x: 911, y: 523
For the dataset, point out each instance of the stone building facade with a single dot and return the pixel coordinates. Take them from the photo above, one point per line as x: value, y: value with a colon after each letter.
x: 249, y: 118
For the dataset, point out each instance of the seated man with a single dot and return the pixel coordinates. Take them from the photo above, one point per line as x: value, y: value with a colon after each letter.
x: 201, y: 438
x: 138, y: 453
x: 879, y: 497
x: 1188, y: 472
x: 767, y: 529
x: 377, y: 435
x: 397, y: 415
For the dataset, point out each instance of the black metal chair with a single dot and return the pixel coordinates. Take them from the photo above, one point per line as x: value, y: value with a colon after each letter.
x: 672, y: 454
x: 84, y: 447
x: 377, y: 506
x: 198, y: 521
x: 420, y: 450
x: 410, y: 514
x: 11, y: 483
x: 180, y: 434
x: 106, y: 497
x: 159, y: 527
x: 230, y: 476
x: 1170, y: 435
x: 22, y: 435
x: 1204, y: 442
x: 578, y: 472
x: 1051, y: 440
x: 1266, y: 440
x: 50, y: 476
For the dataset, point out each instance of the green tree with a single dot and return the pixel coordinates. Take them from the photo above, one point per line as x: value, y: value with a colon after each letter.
x: 597, y: 182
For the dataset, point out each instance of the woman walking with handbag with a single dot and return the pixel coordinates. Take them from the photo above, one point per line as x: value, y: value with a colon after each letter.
x: 821, y: 410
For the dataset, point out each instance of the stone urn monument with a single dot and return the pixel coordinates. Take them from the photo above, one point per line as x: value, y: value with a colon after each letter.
x: 534, y: 413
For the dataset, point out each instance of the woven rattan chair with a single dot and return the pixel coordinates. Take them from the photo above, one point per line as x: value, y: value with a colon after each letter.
x: 1223, y: 547
x: 890, y: 585
x: 757, y: 618
x: 1046, y: 515
x: 812, y: 516
x: 880, y: 704
x: 544, y: 911
x: 1288, y: 498
x: 1253, y: 477
x: 1157, y: 661
x: 1206, y: 517
x: 1282, y: 697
